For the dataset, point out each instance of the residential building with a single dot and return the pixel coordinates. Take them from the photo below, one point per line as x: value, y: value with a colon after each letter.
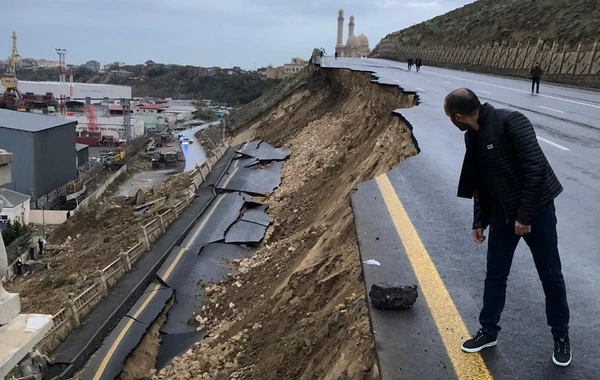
x: 296, y: 65
x: 43, y: 148
x: 47, y: 63
x: 93, y: 65
x: 275, y: 72
x: 15, y: 208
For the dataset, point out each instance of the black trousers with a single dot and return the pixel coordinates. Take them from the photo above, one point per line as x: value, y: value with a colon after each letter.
x: 535, y: 83
x: 543, y: 243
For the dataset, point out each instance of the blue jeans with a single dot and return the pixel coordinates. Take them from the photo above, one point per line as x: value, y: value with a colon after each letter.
x: 543, y: 243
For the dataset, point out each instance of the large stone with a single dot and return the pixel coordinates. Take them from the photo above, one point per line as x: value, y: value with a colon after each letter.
x: 392, y: 296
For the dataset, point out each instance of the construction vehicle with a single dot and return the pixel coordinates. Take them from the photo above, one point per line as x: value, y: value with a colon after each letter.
x: 115, y: 160
x: 164, y: 160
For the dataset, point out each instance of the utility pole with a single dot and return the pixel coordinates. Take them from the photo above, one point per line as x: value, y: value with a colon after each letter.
x: 126, y: 104
x: 62, y: 66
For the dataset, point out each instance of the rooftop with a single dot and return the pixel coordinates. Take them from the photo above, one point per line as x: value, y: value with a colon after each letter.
x: 79, y: 147
x: 12, y: 199
x: 29, y: 122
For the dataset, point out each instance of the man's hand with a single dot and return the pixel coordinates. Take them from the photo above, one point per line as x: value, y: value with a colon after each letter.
x: 522, y: 229
x: 478, y: 236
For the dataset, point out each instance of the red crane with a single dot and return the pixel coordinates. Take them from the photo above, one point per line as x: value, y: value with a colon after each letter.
x: 90, y: 112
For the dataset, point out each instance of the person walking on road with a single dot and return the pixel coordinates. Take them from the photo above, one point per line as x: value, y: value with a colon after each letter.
x: 418, y: 64
x: 536, y: 75
x: 410, y: 64
x: 513, y: 187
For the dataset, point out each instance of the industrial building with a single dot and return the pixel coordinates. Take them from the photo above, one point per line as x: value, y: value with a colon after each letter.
x: 77, y: 91
x: 83, y: 154
x: 108, y: 126
x: 43, y: 149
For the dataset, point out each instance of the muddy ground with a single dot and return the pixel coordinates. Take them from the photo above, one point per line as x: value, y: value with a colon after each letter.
x: 301, y: 312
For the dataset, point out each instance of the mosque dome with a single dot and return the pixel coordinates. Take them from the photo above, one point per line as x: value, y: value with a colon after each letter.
x: 352, y: 41
x: 364, y: 41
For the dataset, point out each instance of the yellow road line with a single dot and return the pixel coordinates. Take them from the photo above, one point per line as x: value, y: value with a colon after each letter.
x: 117, y: 342
x: 450, y: 325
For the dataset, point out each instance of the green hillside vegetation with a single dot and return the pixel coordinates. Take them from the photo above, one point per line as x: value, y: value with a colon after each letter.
x: 163, y: 81
x: 486, y: 21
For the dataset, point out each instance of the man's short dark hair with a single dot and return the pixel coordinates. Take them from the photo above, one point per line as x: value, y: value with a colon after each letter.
x: 462, y: 101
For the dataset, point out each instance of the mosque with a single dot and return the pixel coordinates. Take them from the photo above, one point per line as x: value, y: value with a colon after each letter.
x: 356, y: 47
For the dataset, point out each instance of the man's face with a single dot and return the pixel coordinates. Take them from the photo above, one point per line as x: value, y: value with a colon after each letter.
x: 459, y: 120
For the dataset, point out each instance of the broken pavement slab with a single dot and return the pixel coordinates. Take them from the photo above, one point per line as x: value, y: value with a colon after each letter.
x: 250, y: 228
x: 108, y: 361
x: 261, y: 181
x: 212, y: 265
x: 263, y: 151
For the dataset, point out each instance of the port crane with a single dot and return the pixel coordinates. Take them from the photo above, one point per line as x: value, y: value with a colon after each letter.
x: 12, y: 96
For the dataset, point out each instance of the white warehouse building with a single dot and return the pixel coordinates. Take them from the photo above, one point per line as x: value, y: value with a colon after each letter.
x: 77, y: 91
x: 110, y: 126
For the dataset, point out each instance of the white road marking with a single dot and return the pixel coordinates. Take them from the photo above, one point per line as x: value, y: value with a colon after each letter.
x: 420, y: 89
x: 485, y: 92
x: 551, y: 109
x: 552, y: 143
x: 445, y: 82
x: 522, y: 91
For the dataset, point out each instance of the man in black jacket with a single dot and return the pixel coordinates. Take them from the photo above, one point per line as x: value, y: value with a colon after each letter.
x: 536, y: 75
x: 513, y: 186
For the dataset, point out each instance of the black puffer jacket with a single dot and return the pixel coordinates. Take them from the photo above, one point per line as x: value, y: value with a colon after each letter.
x: 522, y: 178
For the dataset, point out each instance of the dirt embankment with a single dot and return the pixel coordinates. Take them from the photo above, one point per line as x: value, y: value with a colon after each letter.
x: 297, y: 309
x: 89, y: 241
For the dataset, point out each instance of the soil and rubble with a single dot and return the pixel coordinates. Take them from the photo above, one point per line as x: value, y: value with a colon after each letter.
x: 89, y: 241
x: 297, y: 309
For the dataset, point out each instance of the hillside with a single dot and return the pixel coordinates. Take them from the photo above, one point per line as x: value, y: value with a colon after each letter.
x: 564, y: 21
x: 160, y: 82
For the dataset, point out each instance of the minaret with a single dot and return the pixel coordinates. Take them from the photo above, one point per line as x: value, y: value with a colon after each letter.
x: 351, y: 26
x: 340, y: 29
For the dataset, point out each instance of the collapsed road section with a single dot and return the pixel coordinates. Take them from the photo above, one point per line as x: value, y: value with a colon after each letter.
x: 232, y: 224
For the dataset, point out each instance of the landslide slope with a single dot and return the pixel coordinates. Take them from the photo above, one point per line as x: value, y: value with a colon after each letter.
x: 297, y: 309
x: 564, y: 21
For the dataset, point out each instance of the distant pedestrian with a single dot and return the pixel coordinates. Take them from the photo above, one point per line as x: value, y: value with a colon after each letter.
x: 19, y: 267
x: 68, y: 214
x: 31, y: 252
x: 411, y: 62
x: 418, y: 64
x: 321, y: 54
x: 513, y: 188
x: 536, y: 75
x: 41, y: 246
x: 336, y: 55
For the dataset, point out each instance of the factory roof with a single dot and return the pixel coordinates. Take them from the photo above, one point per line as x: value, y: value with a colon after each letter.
x: 29, y: 122
x: 75, y: 83
x: 79, y: 146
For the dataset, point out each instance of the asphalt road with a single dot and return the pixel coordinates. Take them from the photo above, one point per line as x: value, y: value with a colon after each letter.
x: 194, y: 153
x: 411, y: 345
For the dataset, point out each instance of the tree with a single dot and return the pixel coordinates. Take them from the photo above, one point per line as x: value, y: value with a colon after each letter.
x: 13, y: 231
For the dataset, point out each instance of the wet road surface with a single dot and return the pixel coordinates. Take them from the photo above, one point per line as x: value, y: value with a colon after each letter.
x: 411, y: 221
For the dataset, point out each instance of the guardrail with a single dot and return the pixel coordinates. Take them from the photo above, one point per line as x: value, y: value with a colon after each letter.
x: 69, y: 317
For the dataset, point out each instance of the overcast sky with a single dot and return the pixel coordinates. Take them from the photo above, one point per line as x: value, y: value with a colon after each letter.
x: 245, y: 33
